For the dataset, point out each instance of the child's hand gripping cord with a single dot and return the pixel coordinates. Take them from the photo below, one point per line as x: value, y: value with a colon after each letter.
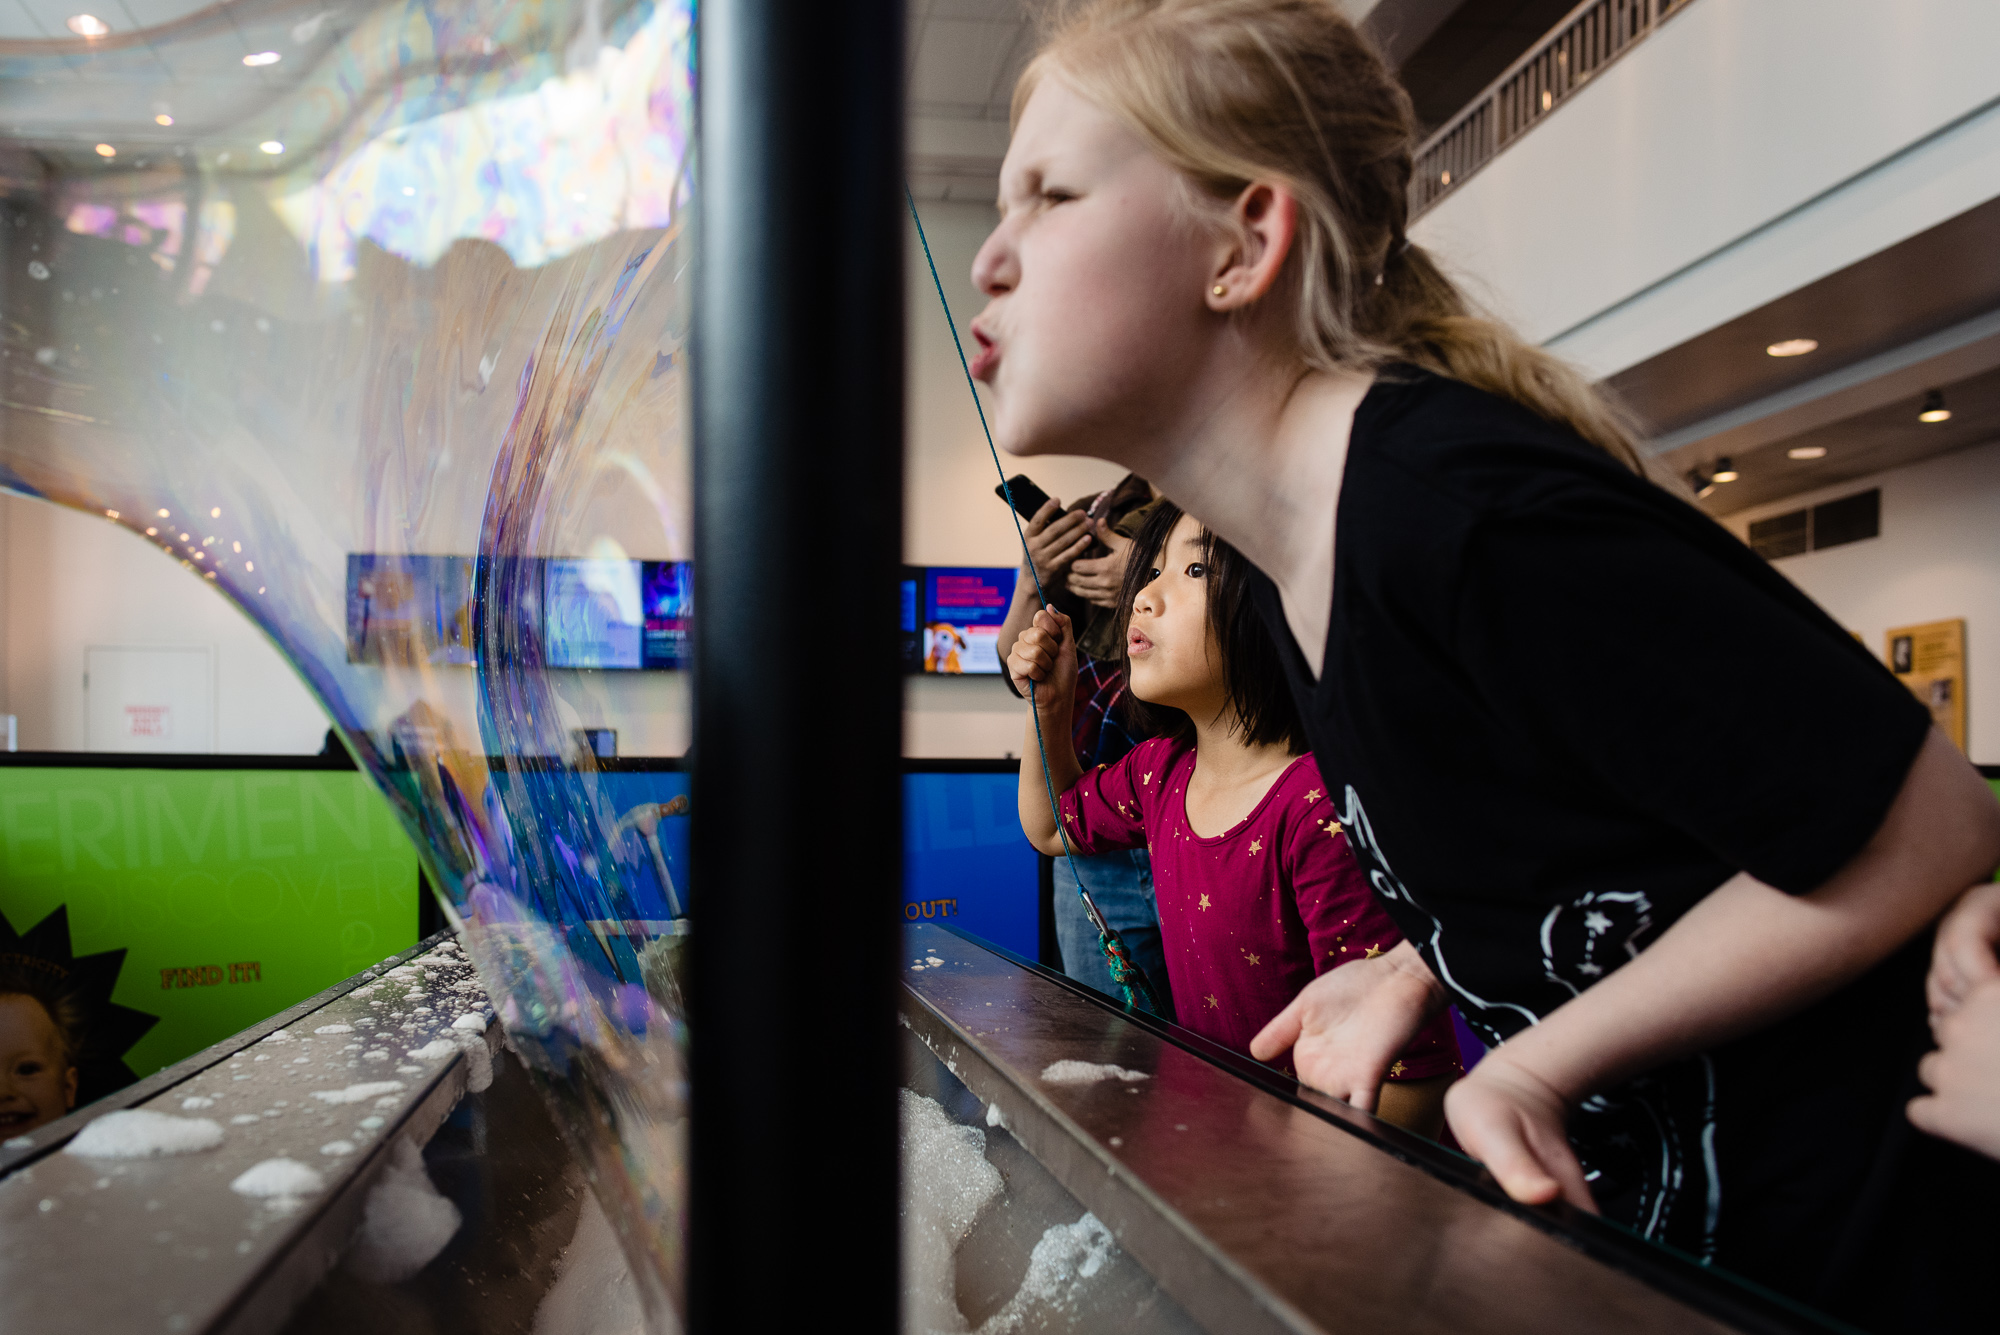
x: 1131, y: 979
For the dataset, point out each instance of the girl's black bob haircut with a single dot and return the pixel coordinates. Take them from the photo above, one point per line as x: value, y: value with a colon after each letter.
x: 1252, y: 674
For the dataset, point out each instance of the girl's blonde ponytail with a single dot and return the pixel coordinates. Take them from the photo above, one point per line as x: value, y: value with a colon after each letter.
x: 1236, y: 91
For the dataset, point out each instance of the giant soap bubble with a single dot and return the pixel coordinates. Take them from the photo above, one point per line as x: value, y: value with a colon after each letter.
x: 373, y: 318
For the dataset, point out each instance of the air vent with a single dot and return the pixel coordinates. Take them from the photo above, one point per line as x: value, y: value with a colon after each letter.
x: 1849, y: 519
x: 1781, y: 535
x: 1834, y: 524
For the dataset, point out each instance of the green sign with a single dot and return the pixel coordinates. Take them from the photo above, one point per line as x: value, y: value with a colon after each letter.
x: 234, y: 893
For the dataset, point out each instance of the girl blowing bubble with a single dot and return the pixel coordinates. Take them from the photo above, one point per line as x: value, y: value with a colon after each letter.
x: 1257, y: 890
x: 1657, y: 826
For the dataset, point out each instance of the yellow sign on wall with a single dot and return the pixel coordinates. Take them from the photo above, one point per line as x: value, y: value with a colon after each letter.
x: 1930, y: 660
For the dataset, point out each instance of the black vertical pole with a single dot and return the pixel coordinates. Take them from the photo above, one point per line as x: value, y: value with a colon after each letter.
x: 798, y: 372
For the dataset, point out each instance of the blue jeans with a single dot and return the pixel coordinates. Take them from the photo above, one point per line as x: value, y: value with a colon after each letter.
x: 1122, y: 885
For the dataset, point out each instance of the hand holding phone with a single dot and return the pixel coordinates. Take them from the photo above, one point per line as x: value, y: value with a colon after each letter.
x: 1026, y: 498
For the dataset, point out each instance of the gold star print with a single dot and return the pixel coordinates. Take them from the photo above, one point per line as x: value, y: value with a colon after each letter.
x: 1249, y: 958
x: 1371, y: 952
x: 1313, y: 795
x: 1256, y: 845
x: 1204, y: 902
x: 1213, y: 1004
x: 1147, y: 777
x: 1397, y: 1069
x: 1332, y: 828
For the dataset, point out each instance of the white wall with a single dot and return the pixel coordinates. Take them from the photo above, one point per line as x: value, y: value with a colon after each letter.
x: 1744, y: 149
x: 950, y: 514
x: 1938, y: 558
x: 71, y: 580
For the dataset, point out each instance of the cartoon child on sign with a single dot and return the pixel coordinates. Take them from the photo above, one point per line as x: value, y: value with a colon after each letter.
x: 38, y: 1044
x: 946, y: 644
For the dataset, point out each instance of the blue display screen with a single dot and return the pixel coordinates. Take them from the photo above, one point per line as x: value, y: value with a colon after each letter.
x: 966, y: 863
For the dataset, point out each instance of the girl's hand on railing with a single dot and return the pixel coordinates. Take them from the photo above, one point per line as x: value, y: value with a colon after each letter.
x: 1347, y: 1027
x: 1962, y: 957
x: 1963, y: 1075
x: 1511, y: 1120
x: 1045, y: 654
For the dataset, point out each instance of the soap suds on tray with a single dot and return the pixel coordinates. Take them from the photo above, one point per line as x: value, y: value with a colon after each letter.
x: 195, y: 1102
x: 405, y: 1224
x: 337, y: 1148
x: 478, y: 1062
x: 947, y: 1182
x: 472, y: 1021
x: 1087, y: 1073
x: 135, y: 1133
x: 1064, y: 1261
x: 279, y: 1180
x: 334, y: 1029
x: 435, y: 1050
x: 593, y: 1293
x: 357, y: 1093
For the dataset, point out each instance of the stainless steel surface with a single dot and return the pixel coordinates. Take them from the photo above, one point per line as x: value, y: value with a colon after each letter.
x: 1121, y: 1299
x: 164, y: 1244
x: 1258, y: 1214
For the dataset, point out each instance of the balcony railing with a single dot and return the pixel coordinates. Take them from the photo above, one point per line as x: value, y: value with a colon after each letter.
x: 1594, y: 34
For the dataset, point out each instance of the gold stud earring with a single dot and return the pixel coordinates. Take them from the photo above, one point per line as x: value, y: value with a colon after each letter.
x: 1218, y: 289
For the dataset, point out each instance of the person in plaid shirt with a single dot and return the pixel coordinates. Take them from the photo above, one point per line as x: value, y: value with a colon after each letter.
x: 1079, y: 553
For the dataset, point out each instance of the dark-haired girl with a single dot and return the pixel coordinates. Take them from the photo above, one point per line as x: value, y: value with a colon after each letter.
x: 1258, y: 893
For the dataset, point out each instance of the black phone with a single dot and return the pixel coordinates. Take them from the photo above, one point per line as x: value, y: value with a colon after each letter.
x: 1027, y: 498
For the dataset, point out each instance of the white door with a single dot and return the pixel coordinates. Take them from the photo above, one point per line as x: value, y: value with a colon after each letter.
x: 151, y: 699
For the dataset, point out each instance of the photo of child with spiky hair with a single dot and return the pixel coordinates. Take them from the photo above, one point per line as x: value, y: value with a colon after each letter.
x: 62, y: 1039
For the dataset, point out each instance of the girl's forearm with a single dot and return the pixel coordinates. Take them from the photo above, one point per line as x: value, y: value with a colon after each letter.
x: 1748, y: 955
x: 1038, y: 821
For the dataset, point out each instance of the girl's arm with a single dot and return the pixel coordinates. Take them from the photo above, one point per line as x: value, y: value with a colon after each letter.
x: 1745, y: 956
x: 1045, y: 654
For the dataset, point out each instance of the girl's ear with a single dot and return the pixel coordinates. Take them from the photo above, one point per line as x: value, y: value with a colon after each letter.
x: 1264, y: 226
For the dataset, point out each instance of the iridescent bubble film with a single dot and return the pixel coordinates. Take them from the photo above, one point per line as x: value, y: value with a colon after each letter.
x: 373, y: 318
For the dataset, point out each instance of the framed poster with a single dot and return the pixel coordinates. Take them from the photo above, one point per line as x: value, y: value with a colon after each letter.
x: 1930, y: 660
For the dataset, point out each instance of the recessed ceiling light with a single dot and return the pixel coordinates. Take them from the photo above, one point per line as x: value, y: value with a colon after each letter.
x: 262, y: 58
x: 1724, y: 472
x: 1934, y: 409
x: 1792, y: 347
x: 1806, y: 452
x: 87, y: 25
x: 163, y: 119
x: 106, y: 151
x: 271, y: 146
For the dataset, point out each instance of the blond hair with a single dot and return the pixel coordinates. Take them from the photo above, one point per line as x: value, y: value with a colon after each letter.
x: 1230, y: 92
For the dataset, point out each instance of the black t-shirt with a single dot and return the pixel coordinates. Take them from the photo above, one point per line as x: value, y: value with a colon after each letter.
x: 1559, y: 706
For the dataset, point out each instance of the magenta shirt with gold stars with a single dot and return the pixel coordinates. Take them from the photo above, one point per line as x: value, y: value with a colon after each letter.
x: 1248, y: 917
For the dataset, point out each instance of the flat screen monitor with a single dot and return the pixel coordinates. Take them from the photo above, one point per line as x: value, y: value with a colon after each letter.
x: 911, y: 622
x: 406, y: 609
x: 667, y: 601
x: 592, y: 614
x: 963, y: 609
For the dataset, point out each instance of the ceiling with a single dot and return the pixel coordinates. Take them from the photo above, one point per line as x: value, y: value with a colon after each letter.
x: 1920, y: 315
x: 963, y: 58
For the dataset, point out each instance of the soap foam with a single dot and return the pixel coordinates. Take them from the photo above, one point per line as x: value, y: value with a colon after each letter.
x: 334, y: 1029
x: 947, y: 1183
x: 1064, y: 1261
x: 405, y: 1224
x: 135, y: 1133
x: 357, y: 1093
x: 593, y: 1293
x: 1087, y: 1073
x: 473, y: 1022
x: 279, y: 1180
x: 435, y: 1050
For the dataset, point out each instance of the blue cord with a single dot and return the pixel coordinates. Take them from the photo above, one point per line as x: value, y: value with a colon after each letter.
x: 1125, y: 971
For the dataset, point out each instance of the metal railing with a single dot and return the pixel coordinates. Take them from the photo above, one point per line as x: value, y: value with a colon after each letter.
x: 1593, y: 35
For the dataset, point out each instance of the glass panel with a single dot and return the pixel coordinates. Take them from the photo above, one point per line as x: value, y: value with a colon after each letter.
x: 374, y: 318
